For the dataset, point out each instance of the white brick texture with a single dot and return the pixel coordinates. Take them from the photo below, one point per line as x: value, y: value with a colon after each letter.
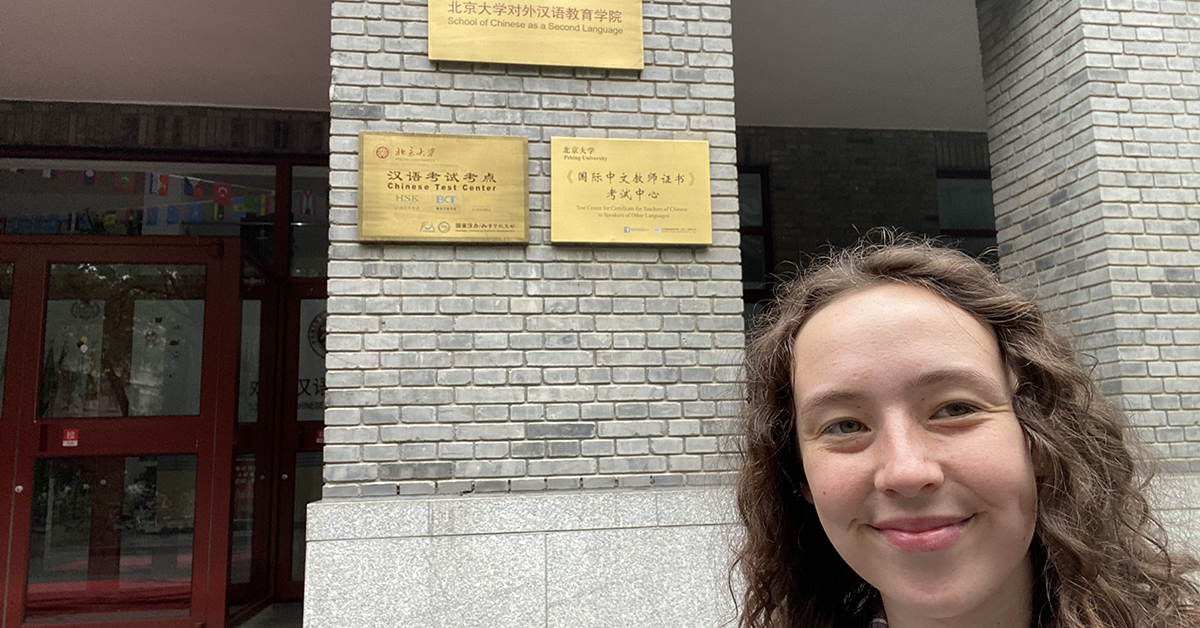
x: 1095, y: 141
x: 465, y: 368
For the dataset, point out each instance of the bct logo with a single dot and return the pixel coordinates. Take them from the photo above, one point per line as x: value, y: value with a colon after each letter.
x: 444, y: 200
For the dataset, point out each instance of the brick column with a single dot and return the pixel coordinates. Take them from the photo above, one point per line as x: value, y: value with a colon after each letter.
x: 1095, y: 139
x: 571, y: 371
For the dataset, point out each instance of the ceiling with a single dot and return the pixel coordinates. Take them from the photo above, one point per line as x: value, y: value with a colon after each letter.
x: 899, y: 64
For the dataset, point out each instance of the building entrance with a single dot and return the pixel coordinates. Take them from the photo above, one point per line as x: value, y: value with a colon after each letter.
x: 120, y: 393
x: 162, y: 381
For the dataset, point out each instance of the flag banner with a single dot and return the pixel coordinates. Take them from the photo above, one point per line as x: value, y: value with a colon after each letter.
x: 58, y: 174
x: 47, y: 173
x: 220, y: 211
x: 172, y: 215
x: 163, y: 184
x: 239, y: 207
x: 51, y: 224
x: 253, y: 205
x: 193, y: 187
x: 306, y: 202
x: 125, y: 181
x: 151, y: 217
x: 195, y: 212
x: 87, y: 177
x: 222, y: 193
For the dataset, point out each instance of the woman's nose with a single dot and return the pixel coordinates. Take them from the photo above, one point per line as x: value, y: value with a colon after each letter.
x: 907, y: 463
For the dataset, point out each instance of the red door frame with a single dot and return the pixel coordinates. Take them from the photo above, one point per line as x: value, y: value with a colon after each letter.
x: 209, y: 435
x: 296, y: 436
x: 260, y: 438
x: 279, y: 269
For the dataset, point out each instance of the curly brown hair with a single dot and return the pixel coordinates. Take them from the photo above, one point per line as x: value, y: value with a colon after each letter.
x: 1100, y: 558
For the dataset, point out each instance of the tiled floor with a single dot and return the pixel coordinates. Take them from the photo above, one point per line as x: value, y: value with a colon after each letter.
x: 278, y: 616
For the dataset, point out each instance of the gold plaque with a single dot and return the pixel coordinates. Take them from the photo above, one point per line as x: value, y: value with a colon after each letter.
x: 442, y: 188
x: 630, y: 191
x: 586, y: 33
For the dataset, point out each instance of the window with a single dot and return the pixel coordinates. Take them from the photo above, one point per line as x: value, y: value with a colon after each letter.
x: 754, y: 212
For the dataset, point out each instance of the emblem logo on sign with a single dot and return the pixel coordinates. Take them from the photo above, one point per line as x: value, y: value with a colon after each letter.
x: 316, y: 334
x: 382, y: 152
x: 444, y: 227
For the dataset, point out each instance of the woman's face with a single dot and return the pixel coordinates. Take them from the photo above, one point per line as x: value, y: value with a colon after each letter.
x: 919, y: 471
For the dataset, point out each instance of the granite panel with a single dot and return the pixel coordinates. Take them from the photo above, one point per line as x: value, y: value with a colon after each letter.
x: 651, y: 577
x: 488, y: 581
x: 696, y: 507
x: 388, y: 518
x: 373, y: 583
x: 539, y: 513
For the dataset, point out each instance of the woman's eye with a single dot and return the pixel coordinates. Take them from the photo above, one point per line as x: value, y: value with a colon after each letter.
x: 845, y: 427
x: 957, y: 409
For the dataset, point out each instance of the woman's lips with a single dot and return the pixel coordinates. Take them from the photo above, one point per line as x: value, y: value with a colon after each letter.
x: 926, y: 534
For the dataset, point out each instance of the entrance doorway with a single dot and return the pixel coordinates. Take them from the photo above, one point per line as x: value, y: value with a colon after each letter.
x: 119, y: 398
x: 278, y: 439
x: 159, y: 456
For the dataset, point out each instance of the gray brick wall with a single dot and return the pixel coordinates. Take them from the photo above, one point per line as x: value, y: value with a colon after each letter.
x: 458, y: 369
x: 1093, y: 113
x: 830, y: 186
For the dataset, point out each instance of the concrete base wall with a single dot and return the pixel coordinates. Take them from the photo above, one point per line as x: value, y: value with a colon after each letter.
x: 653, y: 558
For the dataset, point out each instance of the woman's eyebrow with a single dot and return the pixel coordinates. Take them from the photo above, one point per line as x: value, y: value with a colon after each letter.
x: 829, y: 397
x: 964, y: 376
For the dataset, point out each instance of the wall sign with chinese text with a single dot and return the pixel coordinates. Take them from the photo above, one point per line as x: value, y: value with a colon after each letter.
x: 587, y: 33
x: 443, y: 188
x: 630, y: 191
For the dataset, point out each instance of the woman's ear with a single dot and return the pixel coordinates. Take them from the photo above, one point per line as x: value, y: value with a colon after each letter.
x: 806, y: 492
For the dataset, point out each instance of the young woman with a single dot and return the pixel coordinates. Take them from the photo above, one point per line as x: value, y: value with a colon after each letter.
x: 921, y: 449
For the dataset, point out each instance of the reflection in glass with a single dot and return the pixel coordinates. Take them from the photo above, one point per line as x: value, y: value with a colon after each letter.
x: 6, y: 279
x: 111, y: 538
x: 754, y: 266
x: 310, y: 387
x: 123, y: 340
x: 39, y: 196
x: 310, y: 221
x: 750, y: 199
x: 248, y: 387
x: 242, y: 538
x: 308, y: 490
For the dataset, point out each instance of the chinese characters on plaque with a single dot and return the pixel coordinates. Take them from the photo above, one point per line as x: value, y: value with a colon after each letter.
x: 630, y: 191
x: 584, y: 33
x: 447, y: 188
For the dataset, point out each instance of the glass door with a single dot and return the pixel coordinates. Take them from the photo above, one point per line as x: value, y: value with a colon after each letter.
x: 302, y: 428
x: 254, y: 448
x: 123, y: 431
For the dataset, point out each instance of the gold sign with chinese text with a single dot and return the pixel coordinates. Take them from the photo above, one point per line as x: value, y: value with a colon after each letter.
x: 585, y: 33
x: 630, y: 191
x: 442, y: 188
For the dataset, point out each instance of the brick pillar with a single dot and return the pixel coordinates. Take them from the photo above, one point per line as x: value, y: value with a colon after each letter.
x: 563, y: 373
x: 1095, y: 139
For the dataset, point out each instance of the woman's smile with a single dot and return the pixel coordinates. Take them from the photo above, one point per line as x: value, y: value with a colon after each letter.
x: 922, y: 534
